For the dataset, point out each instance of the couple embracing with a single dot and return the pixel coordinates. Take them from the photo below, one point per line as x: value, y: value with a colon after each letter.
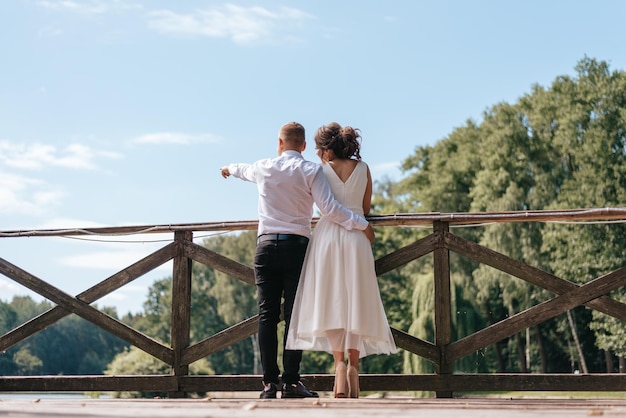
x: 331, y: 296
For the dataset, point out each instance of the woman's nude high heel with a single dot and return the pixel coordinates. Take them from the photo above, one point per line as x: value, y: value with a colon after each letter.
x: 353, y: 382
x: 341, y: 381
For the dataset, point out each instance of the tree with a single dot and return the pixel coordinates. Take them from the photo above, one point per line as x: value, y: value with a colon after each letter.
x: 558, y: 147
x: 8, y: 321
x: 48, y: 352
x: 591, y: 139
x: 217, y: 302
x: 134, y: 361
x: 439, y: 179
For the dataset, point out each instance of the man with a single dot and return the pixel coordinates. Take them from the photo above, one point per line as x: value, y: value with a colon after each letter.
x: 288, y: 185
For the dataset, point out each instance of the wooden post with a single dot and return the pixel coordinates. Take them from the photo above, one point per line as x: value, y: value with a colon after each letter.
x: 181, y: 309
x: 443, y: 321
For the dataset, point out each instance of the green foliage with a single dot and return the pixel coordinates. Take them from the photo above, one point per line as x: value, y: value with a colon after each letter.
x: 557, y: 147
x: 72, y: 346
x: 235, y: 301
x: 217, y: 302
x: 26, y: 363
x: 8, y: 317
x: 610, y: 332
x: 136, y: 362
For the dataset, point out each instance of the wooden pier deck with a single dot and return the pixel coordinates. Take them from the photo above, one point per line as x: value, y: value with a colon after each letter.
x: 307, y: 408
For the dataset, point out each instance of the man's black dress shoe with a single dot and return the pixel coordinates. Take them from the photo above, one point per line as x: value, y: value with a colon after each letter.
x: 297, y: 390
x: 269, y: 391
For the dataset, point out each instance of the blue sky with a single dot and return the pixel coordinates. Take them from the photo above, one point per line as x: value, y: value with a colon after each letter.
x: 120, y: 112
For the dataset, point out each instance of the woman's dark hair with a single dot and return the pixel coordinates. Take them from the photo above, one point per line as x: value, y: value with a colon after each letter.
x: 344, y: 142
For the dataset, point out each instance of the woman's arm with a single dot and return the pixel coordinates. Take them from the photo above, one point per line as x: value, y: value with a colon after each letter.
x: 367, y: 197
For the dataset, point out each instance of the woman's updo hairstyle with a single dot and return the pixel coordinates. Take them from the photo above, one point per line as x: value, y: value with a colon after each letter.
x: 344, y: 142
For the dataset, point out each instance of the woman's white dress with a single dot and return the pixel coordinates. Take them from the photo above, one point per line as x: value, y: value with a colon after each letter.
x: 338, y: 305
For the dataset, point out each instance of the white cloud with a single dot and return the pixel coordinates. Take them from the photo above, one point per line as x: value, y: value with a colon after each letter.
x: 174, y: 138
x: 32, y: 196
x: 106, y: 250
x: 388, y: 169
x: 67, y: 223
x: 126, y: 299
x: 241, y: 24
x: 38, y: 156
x: 14, y: 188
x: 89, y: 7
x: 112, y: 260
x: 77, y: 156
x: 8, y: 286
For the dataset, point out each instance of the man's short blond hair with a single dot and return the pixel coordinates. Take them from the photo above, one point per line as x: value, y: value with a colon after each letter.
x: 292, y: 133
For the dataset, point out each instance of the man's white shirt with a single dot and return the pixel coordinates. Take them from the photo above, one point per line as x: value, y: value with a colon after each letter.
x: 288, y: 187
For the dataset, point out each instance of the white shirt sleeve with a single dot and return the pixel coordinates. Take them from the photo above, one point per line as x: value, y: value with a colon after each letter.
x: 243, y: 171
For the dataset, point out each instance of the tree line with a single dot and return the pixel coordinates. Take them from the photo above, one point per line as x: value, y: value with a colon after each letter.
x: 557, y: 147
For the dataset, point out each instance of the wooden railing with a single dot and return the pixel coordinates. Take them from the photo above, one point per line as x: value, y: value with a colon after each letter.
x: 442, y: 352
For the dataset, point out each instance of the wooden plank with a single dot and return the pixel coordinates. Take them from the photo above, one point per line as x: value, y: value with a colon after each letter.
x: 87, y: 312
x: 322, y: 382
x: 495, y: 382
x: 221, y: 340
x: 443, y: 303
x: 536, y: 314
x: 249, y: 406
x: 406, y: 254
x: 398, y: 219
x: 422, y: 348
x: 219, y: 262
x: 90, y: 295
x: 181, y: 307
x: 156, y: 383
x: 134, y: 229
x: 530, y: 274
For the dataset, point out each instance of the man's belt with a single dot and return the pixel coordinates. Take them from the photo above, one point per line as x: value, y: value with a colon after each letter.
x: 297, y: 239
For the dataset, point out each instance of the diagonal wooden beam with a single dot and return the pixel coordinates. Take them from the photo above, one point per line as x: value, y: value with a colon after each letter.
x: 536, y: 314
x: 530, y: 274
x: 224, y: 338
x: 219, y: 262
x: 87, y: 312
x: 90, y: 295
x: 221, y: 340
x: 416, y: 346
x: 406, y: 254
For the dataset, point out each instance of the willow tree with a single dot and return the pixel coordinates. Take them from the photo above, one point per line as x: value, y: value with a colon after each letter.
x: 438, y: 179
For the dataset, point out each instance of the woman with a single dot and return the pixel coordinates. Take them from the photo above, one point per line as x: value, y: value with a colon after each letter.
x: 338, y: 307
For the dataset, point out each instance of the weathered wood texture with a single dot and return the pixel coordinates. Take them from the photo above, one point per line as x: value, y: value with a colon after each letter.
x: 398, y: 219
x: 245, y: 407
x: 181, y: 310
x: 91, y: 295
x: 368, y: 382
x: 443, y: 352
